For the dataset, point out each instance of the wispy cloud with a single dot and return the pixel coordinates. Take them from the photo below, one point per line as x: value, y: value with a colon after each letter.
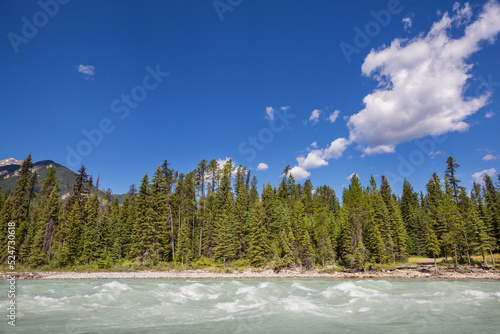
x: 489, y: 114
x: 489, y: 157
x: 432, y: 155
x: 333, y: 116
x: 478, y: 176
x: 270, y: 113
x: 407, y: 23
x: 87, y: 71
x: 314, y: 118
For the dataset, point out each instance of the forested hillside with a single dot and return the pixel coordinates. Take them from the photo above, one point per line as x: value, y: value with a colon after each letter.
x: 218, y: 213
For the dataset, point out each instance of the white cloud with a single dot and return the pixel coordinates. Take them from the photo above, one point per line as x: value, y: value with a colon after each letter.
x: 262, y: 166
x: 422, y: 83
x: 478, y: 176
x: 489, y: 157
x: 284, y: 108
x: 222, y: 162
x: 314, y: 144
x: 315, y: 116
x: 489, y: 114
x: 270, y: 113
x: 314, y: 159
x: 319, y: 157
x: 87, y: 71
x: 299, y: 173
x: 350, y: 177
x: 333, y: 116
x: 432, y: 155
x: 435, y: 153
x: 407, y: 23
x: 336, y: 148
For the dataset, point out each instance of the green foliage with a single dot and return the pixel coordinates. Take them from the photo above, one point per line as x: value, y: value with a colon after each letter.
x: 214, y: 217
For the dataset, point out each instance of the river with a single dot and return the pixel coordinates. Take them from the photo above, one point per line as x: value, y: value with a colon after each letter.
x: 254, y: 306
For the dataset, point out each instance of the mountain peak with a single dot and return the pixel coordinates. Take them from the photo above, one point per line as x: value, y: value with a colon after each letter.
x: 10, y: 161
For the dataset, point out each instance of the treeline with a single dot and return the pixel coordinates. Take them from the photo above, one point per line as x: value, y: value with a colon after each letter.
x: 218, y: 213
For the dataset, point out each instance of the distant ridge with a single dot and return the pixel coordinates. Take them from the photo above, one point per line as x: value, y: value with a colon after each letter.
x: 9, y: 172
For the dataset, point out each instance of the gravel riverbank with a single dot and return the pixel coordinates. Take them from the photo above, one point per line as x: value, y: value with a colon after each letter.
x: 423, y: 272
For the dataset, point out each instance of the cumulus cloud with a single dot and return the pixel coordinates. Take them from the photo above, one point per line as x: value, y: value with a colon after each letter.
x: 421, y: 87
x: 422, y: 82
x: 314, y: 118
x: 270, y: 113
x: 489, y: 114
x: 87, y: 71
x: 478, y: 176
x: 317, y: 158
x: 314, y: 144
x: 299, y: 173
x: 489, y: 157
x: 262, y: 166
x: 333, y: 116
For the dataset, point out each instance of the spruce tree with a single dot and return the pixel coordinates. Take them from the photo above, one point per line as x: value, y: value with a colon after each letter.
x: 71, y: 244
x: 184, y: 245
x: 259, y: 243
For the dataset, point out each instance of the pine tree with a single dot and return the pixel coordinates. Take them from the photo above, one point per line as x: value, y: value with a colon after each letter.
x: 90, y: 230
x: 146, y: 249
x: 259, y: 243
x: 21, y: 193
x: 71, y: 244
x: 492, y: 208
x: 451, y: 166
x: 433, y: 244
x: 5, y: 215
x: 184, y: 245
x: 224, y: 242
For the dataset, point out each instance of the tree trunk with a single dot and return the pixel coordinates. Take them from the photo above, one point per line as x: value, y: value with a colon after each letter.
x: 201, y: 234
x: 435, y: 264
x: 171, y: 231
x: 492, y: 259
x: 192, y: 235
x: 456, y: 257
x: 445, y: 254
x: 484, y: 257
x: 179, y: 232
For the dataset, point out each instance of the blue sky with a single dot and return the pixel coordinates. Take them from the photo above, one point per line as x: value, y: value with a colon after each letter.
x: 257, y: 81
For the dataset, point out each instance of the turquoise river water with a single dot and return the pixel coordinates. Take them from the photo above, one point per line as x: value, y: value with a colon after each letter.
x: 253, y: 306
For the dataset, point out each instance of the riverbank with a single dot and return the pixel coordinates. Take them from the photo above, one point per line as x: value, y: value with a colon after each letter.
x: 419, y: 272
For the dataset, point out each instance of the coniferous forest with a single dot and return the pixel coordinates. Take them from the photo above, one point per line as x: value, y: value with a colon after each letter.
x: 217, y: 214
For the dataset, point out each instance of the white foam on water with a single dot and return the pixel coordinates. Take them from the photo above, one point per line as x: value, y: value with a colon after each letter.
x: 195, y: 291
x: 364, y: 309
x: 246, y: 289
x: 114, y: 286
x: 421, y: 301
x: 302, y: 305
x: 352, y: 290
x: 240, y: 305
x: 477, y: 294
x: 48, y: 301
x: 301, y: 287
x: 101, y: 296
x: 263, y: 285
